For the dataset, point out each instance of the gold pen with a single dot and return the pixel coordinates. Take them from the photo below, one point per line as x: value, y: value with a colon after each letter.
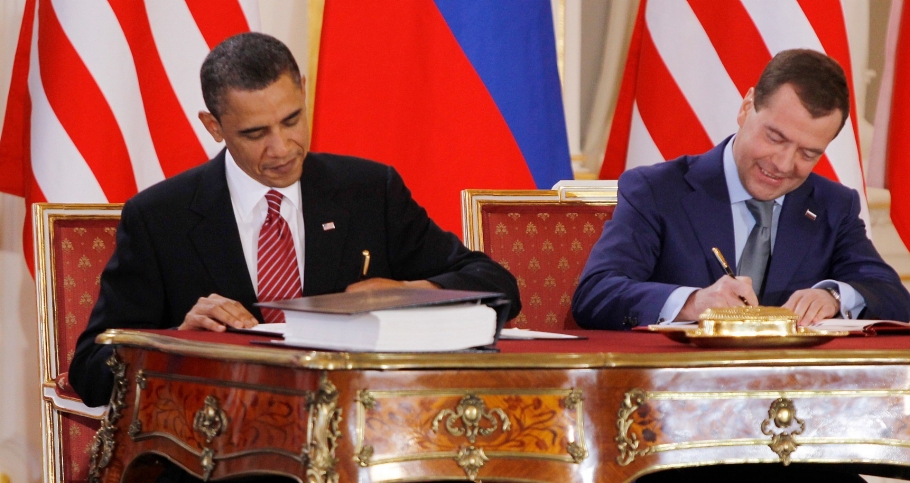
x: 366, y: 264
x: 728, y: 270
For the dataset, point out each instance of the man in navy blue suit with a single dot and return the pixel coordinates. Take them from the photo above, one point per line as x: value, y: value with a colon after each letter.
x: 654, y: 260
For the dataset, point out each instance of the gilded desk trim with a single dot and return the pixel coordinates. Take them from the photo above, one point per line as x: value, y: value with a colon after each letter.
x: 359, y: 371
x: 335, y: 361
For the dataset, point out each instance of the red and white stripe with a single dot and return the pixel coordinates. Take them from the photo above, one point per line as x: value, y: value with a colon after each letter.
x: 691, y: 62
x: 105, y: 95
x: 278, y: 273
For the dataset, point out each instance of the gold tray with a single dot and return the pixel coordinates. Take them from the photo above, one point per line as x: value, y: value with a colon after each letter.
x: 803, y: 337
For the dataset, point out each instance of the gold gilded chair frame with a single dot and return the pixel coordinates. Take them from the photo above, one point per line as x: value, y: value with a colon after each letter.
x: 45, y: 216
x: 473, y: 202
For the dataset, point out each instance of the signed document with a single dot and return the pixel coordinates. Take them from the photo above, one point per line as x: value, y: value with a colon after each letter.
x: 863, y: 327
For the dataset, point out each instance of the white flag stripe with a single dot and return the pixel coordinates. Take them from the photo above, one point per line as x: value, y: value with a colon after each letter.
x: 97, y: 36
x: 844, y: 159
x: 59, y: 168
x: 642, y: 150
x: 182, y: 49
x: 692, y: 61
x: 783, y: 25
x: 251, y: 12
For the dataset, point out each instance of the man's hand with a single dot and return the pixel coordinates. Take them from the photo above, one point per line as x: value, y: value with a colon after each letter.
x: 383, y: 283
x: 812, y: 305
x: 215, y: 312
x: 725, y: 292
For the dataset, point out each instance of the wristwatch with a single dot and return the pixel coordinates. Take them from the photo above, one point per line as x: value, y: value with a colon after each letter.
x: 836, y: 294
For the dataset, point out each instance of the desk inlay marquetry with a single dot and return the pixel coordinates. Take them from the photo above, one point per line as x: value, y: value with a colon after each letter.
x: 407, y: 425
x: 608, y: 409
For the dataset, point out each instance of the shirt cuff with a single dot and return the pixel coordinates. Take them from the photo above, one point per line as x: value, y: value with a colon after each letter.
x: 675, y: 303
x: 852, y: 302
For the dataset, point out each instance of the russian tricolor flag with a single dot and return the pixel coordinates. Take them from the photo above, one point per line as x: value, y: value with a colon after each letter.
x: 454, y: 93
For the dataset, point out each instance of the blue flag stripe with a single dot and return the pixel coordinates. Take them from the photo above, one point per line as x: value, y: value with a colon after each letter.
x: 512, y: 47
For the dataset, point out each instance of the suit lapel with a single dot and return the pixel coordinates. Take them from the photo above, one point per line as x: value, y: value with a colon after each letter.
x: 325, y: 217
x: 216, y: 238
x: 710, y: 195
x: 796, y: 234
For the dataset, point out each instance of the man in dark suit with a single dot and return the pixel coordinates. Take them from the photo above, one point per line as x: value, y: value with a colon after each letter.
x: 654, y: 261
x: 186, y: 252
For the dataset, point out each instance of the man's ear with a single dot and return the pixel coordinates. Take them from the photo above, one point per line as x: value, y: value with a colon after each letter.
x: 211, y: 125
x: 747, y: 105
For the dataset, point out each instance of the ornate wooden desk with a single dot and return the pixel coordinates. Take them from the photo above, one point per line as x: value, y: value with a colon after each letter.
x: 606, y: 409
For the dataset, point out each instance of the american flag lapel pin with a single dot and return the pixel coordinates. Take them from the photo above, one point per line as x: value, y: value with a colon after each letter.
x: 328, y: 226
x: 810, y: 215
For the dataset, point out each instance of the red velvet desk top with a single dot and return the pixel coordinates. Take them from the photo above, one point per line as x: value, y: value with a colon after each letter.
x: 595, y: 342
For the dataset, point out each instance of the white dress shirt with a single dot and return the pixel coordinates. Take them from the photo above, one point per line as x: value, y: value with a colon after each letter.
x: 251, y: 208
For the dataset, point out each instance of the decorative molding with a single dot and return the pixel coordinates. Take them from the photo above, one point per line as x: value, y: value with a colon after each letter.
x: 574, y: 399
x: 628, y: 443
x: 323, y: 433
x: 366, y: 399
x: 103, y: 443
x: 783, y: 413
x: 471, y: 459
x: 471, y: 411
x: 364, y: 455
x: 135, y: 428
x: 207, y: 460
x: 211, y: 420
x: 140, y: 379
x: 578, y: 451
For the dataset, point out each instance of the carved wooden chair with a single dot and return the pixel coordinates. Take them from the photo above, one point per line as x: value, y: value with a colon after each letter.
x: 73, y: 243
x: 543, y: 237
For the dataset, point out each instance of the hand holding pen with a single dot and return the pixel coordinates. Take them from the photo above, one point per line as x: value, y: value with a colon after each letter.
x: 728, y: 270
x: 725, y: 292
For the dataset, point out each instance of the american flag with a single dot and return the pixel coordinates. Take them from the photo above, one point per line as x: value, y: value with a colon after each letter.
x: 102, y: 102
x: 691, y: 62
x: 104, y: 95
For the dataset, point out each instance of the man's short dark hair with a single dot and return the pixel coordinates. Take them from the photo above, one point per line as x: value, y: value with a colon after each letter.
x: 249, y: 62
x: 818, y: 80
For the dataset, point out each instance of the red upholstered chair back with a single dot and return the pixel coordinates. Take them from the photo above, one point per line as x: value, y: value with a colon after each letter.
x: 543, y: 237
x: 72, y: 245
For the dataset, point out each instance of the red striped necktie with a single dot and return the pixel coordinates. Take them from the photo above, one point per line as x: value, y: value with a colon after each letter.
x: 279, y: 277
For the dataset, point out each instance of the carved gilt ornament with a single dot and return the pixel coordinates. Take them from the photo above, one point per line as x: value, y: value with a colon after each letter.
x: 783, y: 413
x: 471, y: 412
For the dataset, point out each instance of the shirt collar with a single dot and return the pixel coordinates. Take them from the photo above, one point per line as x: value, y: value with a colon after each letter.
x: 735, y: 187
x: 246, y: 192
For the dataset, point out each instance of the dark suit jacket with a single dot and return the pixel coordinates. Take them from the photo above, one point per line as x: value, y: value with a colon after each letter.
x: 671, y: 214
x: 178, y: 241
